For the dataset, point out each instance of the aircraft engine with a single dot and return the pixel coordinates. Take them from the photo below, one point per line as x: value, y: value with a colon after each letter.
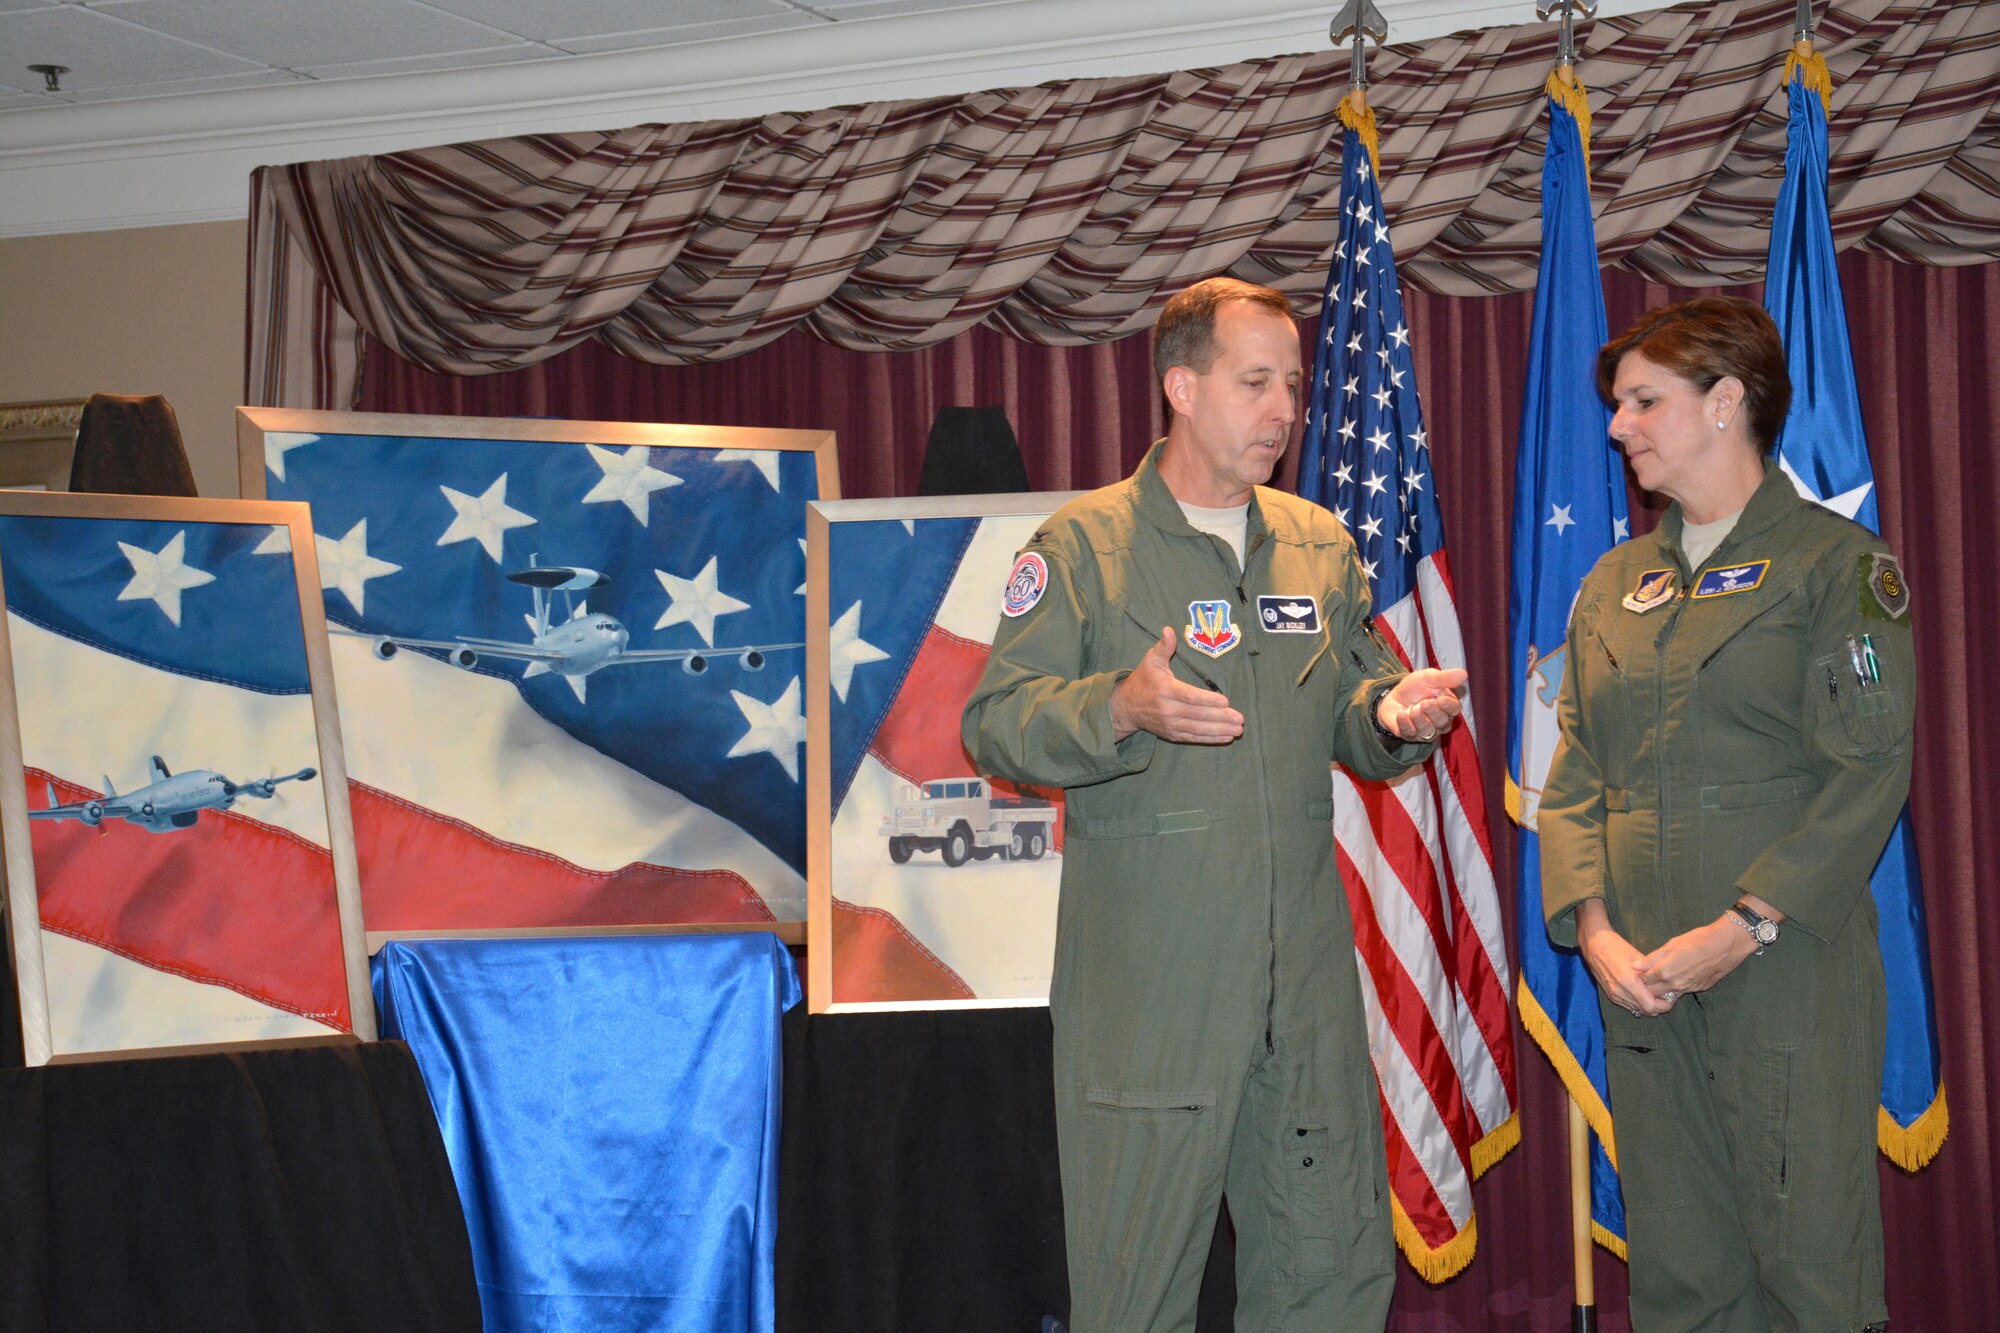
x: 753, y: 661
x: 464, y: 657
x: 385, y: 649
x: 264, y: 787
x: 146, y: 810
x: 695, y: 665
x: 92, y: 813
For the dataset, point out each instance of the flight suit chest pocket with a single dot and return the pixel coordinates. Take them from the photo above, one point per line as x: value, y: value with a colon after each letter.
x: 1862, y: 719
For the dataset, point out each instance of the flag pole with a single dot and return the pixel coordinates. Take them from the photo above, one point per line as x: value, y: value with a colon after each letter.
x: 1583, y: 1314
x: 1583, y: 1310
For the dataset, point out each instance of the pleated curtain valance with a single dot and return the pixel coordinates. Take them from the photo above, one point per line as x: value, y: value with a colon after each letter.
x: 1067, y: 213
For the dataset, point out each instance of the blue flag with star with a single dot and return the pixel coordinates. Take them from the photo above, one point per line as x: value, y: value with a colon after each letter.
x: 1824, y: 450
x: 1569, y: 509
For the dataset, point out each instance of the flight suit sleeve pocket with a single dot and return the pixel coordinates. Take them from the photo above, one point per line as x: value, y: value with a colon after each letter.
x: 1864, y: 721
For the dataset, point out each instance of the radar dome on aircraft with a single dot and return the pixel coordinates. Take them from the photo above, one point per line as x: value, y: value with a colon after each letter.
x: 559, y: 578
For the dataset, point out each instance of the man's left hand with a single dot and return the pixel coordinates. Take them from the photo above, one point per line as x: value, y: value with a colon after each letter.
x: 1422, y: 705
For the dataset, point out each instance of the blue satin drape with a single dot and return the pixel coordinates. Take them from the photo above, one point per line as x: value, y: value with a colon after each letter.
x: 610, y: 1108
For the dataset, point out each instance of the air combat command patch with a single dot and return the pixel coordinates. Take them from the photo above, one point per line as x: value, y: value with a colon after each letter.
x: 1884, y: 594
x: 1209, y: 630
x: 1026, y: 584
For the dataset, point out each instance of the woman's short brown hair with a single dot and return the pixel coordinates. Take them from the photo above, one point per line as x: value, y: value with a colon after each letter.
x: 1706, y: 340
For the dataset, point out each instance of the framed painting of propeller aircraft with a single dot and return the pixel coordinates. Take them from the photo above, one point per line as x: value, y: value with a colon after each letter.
x: 571, y: 661
x: 173, y: 798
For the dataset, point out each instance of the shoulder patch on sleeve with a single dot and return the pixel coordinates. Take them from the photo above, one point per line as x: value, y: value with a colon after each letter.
x: 1884, y: 594
x: 1026, y: 583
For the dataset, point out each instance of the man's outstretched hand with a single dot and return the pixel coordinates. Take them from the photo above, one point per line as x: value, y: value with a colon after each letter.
x: 1153, y: 699
x: 1423, y: 704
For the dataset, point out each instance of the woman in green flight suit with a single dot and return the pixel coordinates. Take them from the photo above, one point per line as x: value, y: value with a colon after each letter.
x: 1735, y: 750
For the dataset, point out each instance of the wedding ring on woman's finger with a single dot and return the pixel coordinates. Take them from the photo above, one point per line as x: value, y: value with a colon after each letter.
x: 1671, y: 996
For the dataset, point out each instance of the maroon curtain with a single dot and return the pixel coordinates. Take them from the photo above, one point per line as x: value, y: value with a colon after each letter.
x: 1085, y: 414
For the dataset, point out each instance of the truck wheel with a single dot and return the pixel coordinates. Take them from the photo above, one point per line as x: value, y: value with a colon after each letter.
x: 1017, y: 846
x: 957, y: 846
x: 899, y: 850
x: 1037, y: 843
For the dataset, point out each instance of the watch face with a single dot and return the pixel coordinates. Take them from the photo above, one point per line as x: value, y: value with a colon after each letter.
x: 1766, y: 932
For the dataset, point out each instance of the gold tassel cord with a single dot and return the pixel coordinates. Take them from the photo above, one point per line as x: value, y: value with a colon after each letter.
x: 1803, y: 61
x: 1564, y: 87
x: 1496, y: 1145
x: 1912, y: 1149
x: 1434, y: 1265
x: 1357, y: 115
x: 1547, y: 1036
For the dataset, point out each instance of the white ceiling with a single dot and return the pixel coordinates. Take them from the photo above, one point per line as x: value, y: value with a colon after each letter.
x: 170, y: 103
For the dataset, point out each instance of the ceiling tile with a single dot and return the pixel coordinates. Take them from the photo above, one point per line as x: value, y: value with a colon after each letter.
x: 256, y: 78
x: 501, y: 55
x: 12, y: 6
x: 103, y: 52
x: 300, y: 35
x: 595, y: 18
x: 693, y: 32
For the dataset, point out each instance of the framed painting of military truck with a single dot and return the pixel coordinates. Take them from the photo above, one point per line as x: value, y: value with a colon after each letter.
x: 929, y: 883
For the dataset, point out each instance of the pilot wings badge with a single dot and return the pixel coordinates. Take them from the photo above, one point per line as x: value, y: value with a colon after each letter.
x: 1209, y: 629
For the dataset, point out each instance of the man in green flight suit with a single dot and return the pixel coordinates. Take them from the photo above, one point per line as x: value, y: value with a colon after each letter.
x: 1185, y: 653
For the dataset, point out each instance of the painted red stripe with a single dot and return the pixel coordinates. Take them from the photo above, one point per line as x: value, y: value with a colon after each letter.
x: 421, y: 870
x: 231, y: 901
x: 919, y: 738
x: 876, y: 958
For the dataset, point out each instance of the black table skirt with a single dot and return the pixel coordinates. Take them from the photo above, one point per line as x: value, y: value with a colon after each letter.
x: 293, y: 1190
x: 917, y: 1177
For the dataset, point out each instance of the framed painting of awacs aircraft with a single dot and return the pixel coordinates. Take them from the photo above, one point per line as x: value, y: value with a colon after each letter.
x: 933, y: 884
x: 180, y: 864
x: 571, y: 663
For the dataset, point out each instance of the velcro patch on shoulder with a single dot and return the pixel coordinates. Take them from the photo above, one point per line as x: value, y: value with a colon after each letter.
x: 1026, y: 583
x: 1884, y: 594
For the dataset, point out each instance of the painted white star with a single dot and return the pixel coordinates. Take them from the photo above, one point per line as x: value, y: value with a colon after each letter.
x: 1420, y: 439
x: 1401, y: 334
x: 278, y: 443
x: 578, y: 685
x: 1347, y: 430
x: 846, y: 650
x: 1413, y: 479
x: 345, y: 565
x: 696, y: 601
x: 910, y: 526
x: 800, y: 591
x: 1559, y: 519
x: 1373, y: 527
x: 1847, y: 504
x: 765, y: 459
x: 1344, y: 474
x: 1380, y: 439
x: 777, y: 729
x: 278, y: 541
x: 161, y: 576
x: 629, y: 479
x: 1376, y: 484
x: 482, y: 518
x: 1620, y: 529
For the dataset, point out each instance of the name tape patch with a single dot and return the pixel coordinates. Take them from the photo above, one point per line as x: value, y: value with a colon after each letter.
x: 1285, y: 614
x: 1025, y: 584
x: 1730, y: 581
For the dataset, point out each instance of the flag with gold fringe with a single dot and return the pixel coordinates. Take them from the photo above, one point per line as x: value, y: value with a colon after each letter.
x: 1416, y: 854
x: 1569, y: 509
x: 1824, y: 450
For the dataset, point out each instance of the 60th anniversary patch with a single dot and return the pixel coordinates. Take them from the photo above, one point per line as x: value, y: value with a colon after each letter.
x: 1025, y: 584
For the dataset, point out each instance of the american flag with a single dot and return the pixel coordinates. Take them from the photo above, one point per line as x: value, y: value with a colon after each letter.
x: 1415, y: 854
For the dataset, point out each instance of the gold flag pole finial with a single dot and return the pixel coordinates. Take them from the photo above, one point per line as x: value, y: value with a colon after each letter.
x: 1360, y: 19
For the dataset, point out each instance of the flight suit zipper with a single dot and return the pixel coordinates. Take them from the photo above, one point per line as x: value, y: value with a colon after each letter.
x: 1661, y: 786
x: 1264, y: 797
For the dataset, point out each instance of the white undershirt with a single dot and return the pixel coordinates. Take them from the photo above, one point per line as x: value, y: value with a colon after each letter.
x: 1231, y: 525
x: 1699, y: 540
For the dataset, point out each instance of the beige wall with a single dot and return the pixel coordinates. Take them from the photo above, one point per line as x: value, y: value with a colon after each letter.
x: 150, y: 310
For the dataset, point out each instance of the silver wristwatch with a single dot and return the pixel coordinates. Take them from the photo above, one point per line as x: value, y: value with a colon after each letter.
x: 1762, y: 928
